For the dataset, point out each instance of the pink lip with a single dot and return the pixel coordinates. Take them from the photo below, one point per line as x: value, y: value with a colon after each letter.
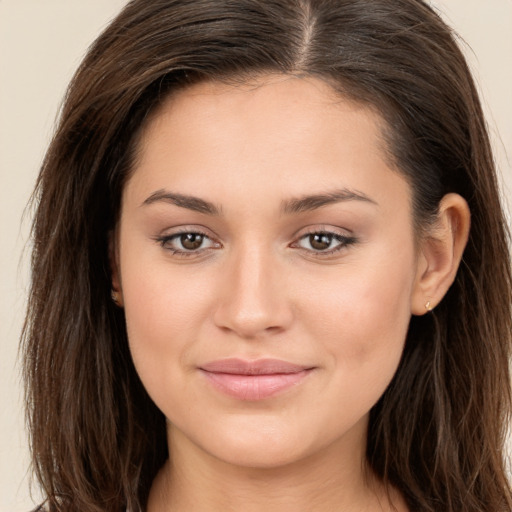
x: 253, y: 380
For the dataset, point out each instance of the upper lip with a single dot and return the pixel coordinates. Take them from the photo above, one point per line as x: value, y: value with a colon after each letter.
x: 257, y: 367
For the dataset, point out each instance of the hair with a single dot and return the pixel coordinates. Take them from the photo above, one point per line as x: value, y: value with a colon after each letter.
x: 437, y: 434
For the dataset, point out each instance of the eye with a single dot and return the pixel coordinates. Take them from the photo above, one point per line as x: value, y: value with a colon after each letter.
x: 324, y: 242
x: 190, y: 241
x: 184, y: 243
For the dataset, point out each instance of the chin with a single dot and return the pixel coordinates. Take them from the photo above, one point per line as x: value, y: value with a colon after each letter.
x: 251, y: 443
x: 270, y: 443
x: 260, y: 455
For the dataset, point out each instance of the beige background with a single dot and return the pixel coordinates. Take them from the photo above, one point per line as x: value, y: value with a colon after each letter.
x: 41, y: 43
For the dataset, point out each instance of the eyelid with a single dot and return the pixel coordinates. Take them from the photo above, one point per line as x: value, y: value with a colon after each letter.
x: 323, y: 228
x: 172, y: 233
x: 186, y: 228
x: 346, y: 238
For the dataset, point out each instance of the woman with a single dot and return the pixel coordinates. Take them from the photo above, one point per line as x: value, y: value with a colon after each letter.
x: 270, y: 267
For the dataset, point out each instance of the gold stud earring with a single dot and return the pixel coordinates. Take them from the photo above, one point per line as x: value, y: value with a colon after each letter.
x: 428, y: 306
x: 115, y: 298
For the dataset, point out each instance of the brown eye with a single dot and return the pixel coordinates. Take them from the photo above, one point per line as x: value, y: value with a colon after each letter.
x: 187, y: 243
x: 324, y: 242
x: 320, y: 241
x: 191, y: 241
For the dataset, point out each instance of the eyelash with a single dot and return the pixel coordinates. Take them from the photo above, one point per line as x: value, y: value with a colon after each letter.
x: 166, y: 239
x: 344, y: 242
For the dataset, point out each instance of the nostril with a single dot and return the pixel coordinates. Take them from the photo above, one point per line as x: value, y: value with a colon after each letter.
x: 252, y: 299
x: 254, y: 322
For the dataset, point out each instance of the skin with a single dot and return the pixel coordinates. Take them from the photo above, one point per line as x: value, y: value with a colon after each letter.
x: 256, y: 288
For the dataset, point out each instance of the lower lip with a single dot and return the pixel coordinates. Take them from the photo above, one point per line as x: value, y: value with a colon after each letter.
x: 254, y: 387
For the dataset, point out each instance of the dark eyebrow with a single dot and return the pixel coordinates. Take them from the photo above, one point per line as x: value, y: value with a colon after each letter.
x: 183, y: 201
x: 312, y: 202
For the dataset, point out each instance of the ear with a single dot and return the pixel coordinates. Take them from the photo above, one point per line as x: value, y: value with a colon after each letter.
x: 440, y: 253
x: 113, y: 256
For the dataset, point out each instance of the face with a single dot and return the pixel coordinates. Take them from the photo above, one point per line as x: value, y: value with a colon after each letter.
x: 266, y: 261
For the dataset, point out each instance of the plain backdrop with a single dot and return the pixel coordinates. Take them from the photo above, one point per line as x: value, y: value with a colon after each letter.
x: 41, y: 44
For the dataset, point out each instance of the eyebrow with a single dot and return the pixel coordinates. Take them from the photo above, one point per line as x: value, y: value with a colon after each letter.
x: 183, y: 201
x: 315, y: 201
x: 296, y: 205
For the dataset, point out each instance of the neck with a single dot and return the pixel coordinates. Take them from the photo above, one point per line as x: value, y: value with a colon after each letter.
x: 325, y: 481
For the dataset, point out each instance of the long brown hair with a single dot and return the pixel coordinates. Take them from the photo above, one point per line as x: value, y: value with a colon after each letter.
x: 437, y: 433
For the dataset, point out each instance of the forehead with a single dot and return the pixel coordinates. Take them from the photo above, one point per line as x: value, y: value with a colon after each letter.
x: 272, y: 97
x: 268, y: 135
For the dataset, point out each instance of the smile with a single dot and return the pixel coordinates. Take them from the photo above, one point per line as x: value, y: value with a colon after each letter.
x: 253, y: 380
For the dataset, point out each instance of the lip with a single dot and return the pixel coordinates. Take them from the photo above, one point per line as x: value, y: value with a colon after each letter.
x: 253, y: 380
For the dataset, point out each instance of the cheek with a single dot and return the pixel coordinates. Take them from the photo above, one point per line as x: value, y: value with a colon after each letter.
x: 165, y: 310
x: 163, y: 319
x: 363, y: 334
x: 365, y: 312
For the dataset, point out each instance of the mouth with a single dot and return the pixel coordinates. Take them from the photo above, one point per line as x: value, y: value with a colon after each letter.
x: 254, y: 380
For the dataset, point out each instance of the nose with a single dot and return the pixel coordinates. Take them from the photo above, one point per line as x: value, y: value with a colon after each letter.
x: 253, y: 301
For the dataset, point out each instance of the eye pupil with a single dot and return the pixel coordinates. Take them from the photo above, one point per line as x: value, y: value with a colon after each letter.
x: 191, y: 241
x: 320, y: 241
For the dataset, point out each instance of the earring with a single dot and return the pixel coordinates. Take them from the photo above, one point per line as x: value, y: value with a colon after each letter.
x: 115, y: 298
x: 428, y: 306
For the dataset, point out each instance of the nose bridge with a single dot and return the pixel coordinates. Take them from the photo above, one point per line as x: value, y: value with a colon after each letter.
x: 253, y: 300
